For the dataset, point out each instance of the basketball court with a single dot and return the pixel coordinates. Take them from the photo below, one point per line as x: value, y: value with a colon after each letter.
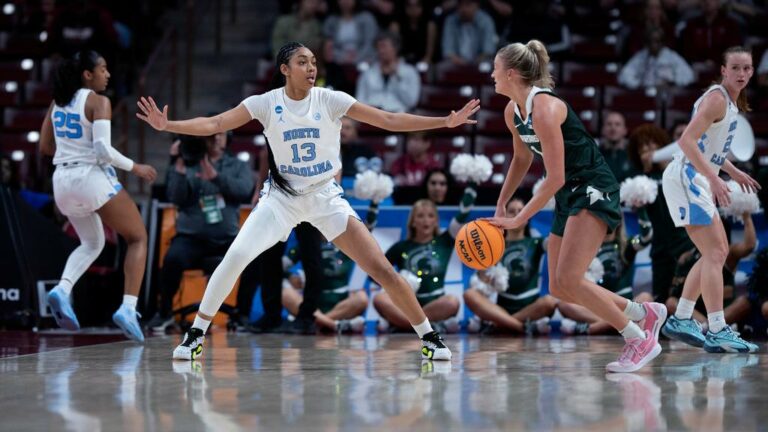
x: 283, y: 383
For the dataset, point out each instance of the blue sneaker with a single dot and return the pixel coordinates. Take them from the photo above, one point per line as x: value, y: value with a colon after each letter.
x: 62, y: 310
x: 684, y: 330
x: 125, y: 318
x: 727, y: 340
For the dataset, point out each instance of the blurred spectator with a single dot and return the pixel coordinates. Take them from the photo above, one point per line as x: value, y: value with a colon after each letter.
x: 385, y: 11
x: 300, y: 26
x: 390, y: 84
x: 656, y: 65
x: 500, y: 11
x: 418, y: 33
x: 654, y: 16
x: 613, y: 145
x: 350, y: 34
x: 705, y: 37
x: 208, y: 186
x: 762, y: 70
x: 81, y: 24
x: 439, y: 187
x: 543, y: 20
x: 356, y: 157
x: 469, y: 35
x: 677, y: 130
x: 411, y: 168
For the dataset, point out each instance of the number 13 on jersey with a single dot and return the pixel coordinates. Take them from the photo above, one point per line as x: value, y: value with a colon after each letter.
x: 308, y: 148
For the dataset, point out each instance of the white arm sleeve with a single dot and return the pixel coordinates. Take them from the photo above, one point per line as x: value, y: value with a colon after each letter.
x: 666, y: 153
x: 102, y: 145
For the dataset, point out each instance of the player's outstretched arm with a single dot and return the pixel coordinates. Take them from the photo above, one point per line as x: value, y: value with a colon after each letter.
x: 403, y: 122
x: 199, y: 126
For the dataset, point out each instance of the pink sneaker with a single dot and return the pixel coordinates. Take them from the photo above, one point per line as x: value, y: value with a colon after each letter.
x: 636, y: 354
x: 655, y: 315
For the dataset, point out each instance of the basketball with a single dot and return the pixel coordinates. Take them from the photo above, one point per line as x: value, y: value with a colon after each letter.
x: 479, y: 244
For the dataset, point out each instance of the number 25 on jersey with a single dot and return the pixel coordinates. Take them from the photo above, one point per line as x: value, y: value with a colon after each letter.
x: 67, y: 125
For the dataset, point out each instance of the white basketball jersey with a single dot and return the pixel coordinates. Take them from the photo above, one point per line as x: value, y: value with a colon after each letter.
x: 306, y: 148
x: 715, y: 143
x: 72, y: 131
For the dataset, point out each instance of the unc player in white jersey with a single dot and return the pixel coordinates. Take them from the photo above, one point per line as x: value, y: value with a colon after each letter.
x: 76, y: 132
x: 692, y: 188
x: 302, y: 124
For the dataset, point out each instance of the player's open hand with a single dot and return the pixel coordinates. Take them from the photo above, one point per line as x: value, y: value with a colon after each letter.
x: 146, y: 172
x: 720, y: 191
x: 458, y: 118
x: 505, y: 222
x: 151, y: 114
x: 747, y: 183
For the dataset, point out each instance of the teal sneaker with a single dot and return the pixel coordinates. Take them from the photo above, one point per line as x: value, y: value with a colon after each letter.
x: 126, y: 319
x: 62, y: 310
x: 727, y: 341
x: 684, y: 330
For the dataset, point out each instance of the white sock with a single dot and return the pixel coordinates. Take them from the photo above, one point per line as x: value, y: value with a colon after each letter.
x: 716, y: 321
x: 130, y: 301
x: 684, y: 309
x: 423, y: 328
x: 632, y: 330
x: 66, y: 286
x: 634, y: 311
x: 201, y: 323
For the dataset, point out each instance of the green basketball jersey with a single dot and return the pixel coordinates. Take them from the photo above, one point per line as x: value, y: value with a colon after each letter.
x: 521, y: 258
x: 617, y: 276
x: 584, y: 164
x: 337, y: 267
x: 428, y: 261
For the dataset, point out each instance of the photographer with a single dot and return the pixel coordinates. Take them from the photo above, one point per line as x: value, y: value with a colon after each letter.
x: 207, y: 185
x: 390, y: 84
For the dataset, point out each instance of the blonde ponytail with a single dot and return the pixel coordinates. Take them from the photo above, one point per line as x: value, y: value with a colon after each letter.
x: 531, y: 61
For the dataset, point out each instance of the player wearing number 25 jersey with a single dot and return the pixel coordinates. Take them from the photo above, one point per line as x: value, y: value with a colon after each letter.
x: 76, y: 132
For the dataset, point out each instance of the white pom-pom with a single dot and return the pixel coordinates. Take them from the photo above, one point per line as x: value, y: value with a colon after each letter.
x: 639, y: 191
x: 384, y: 188
x: 482, y: 170
x: 365, y: 185
x: 373, y: 186
x: 413, y: 281
x: 551, y: 203
x: 741, y: 202
x: 462, y: 167
x: 595, y: 271
x: 499, y: 276
x: 478, y: 284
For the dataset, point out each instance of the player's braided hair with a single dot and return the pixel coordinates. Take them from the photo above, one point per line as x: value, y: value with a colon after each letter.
x: 278, y: 80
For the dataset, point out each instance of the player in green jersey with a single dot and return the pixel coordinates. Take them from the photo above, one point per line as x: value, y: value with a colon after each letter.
x: 426, y: 252
x: 521, y: 301
x: 586, y: 196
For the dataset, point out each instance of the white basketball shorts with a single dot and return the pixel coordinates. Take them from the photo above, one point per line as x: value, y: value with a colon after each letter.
x: 689, y: 198
x: 81, y: 188
x: 324, y: 208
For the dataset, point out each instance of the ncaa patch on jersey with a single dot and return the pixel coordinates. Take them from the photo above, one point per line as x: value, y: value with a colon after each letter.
x: 278, y: 109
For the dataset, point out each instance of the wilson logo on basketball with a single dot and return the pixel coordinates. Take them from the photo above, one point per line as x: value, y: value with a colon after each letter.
x: 477, y: 243
x: 463, y: 251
